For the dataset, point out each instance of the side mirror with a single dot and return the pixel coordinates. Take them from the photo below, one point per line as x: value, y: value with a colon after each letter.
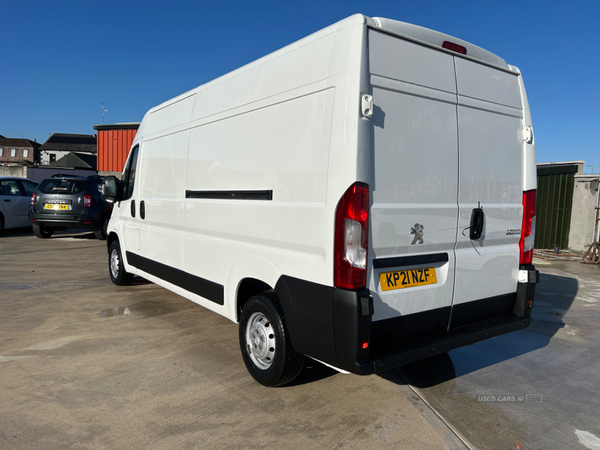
x: 110, y: 189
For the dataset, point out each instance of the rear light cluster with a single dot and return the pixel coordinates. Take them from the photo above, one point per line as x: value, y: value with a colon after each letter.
x: 528, y: 227
x: 32, y: 201
x: 87, y: 200
x: 351, y: 238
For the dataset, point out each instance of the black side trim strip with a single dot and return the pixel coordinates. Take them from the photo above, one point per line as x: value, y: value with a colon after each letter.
x: 199, y: 286
x: 231, y: 195
x: 410, y: 260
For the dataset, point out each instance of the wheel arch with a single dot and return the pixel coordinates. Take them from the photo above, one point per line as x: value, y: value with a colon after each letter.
x: 110, y: 238
x: 249, y: 276
x: 248, y: 288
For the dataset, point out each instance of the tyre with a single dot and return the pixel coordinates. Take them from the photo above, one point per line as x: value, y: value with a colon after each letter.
x: 118, y: 274
x: 101, y: 232
x: 42, y: 231
x: 1, y: 223
x: 265, y: 342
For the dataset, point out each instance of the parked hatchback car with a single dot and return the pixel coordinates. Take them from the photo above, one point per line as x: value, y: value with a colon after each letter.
x: 14, y: 201
x: 69, y: 202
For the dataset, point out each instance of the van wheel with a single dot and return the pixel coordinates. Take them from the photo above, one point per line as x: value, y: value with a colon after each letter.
x: 118, y: 274
x: 41, y: 231
x: 265, y: 342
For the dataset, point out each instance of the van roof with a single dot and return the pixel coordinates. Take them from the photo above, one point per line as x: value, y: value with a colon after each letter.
x: 436, y: 39
x: 405, y: 30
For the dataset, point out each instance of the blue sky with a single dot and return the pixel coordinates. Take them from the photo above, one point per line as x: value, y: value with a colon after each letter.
x: 60, y: 59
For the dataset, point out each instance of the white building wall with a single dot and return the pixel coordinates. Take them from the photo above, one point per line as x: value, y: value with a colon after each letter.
x: 583, y: 230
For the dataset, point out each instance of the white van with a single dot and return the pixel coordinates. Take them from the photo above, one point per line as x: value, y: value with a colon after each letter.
x: 364, y: 196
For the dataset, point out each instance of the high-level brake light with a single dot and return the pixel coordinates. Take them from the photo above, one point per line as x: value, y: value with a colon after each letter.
x: 454, y: 47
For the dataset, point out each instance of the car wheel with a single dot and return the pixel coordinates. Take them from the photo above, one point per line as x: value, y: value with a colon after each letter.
x: 118, y: 274
x: 265, y: 342
x: 1, y: 223
x: 42, y: 231
x: 101, y: 233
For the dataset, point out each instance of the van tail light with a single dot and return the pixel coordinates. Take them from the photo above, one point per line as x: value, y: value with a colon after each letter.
x: 351, y: 238
x: 32, y: 200
x: 87, y: 200
x: 528, y: 227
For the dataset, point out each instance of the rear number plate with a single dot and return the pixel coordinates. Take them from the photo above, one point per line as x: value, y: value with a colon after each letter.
x: 407, y: 278
x: 55, y: 206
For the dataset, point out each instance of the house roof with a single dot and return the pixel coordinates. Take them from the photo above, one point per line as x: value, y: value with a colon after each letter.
x: 17, y: 142
x: 71, y: 143
x: 75, y: 160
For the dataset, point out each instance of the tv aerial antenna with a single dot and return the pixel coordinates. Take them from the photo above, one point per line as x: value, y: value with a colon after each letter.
x: 103, y: 111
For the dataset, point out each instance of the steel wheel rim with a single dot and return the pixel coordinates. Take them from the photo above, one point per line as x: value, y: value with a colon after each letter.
x: 260, y: 341
x: 114, y: 263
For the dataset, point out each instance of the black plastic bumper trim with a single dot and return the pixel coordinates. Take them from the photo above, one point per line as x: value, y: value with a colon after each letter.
x: 399, y: 261
x: 436, y: 345
x: 196, y: 285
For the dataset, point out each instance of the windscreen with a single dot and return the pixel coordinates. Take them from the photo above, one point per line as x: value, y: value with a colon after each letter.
x: 60, y: 186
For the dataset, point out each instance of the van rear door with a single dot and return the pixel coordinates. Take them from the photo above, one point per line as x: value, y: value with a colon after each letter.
x: 414, y: 186
x: 490, y: 153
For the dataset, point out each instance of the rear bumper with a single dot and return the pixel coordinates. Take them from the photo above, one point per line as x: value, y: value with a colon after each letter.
x: 424, y: 348
x: 83, y: 221
x: 333, y: 325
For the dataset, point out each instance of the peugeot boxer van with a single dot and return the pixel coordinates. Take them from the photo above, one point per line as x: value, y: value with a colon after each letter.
x: 364, y: 197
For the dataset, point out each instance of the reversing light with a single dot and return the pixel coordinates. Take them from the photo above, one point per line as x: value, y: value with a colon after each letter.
x: 454, y: 47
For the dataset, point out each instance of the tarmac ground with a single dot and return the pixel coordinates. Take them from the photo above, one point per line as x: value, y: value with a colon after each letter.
x: 85, y: 364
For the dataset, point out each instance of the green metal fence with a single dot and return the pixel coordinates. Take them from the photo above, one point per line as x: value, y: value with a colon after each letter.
x: 553, y: 206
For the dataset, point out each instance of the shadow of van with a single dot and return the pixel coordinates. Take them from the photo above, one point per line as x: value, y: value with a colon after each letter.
x: 554, y: 296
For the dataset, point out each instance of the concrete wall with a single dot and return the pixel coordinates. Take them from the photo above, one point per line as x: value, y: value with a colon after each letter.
x: 583, y: 215
x: 13, y: 171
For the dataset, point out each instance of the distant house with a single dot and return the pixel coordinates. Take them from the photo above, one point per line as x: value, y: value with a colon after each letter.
x: 17, y: 151
x: 60, y: 145
x: 76, y: 160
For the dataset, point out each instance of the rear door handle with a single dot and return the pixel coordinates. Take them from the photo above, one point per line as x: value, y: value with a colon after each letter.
x: 476, y: 228
x: 132, y: 208
x: 7, y: 200
x: 142, y: 210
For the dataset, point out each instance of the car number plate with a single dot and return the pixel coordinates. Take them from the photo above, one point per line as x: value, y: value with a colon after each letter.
x: 56, y: 206
x: 401, y: 279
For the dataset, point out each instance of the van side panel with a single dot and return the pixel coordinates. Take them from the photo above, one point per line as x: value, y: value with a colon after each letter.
x: 265, y: 151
